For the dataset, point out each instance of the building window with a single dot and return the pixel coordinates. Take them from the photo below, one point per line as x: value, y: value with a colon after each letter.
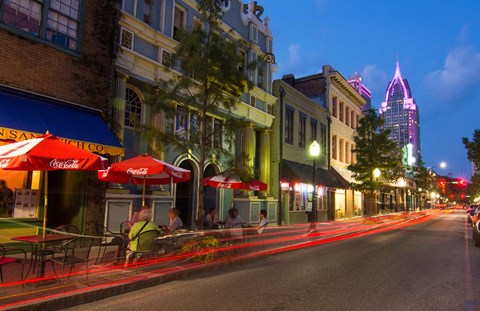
x: 269, y: 45
x: 126, y: 38
x: 260, y: 72
x: 334, y: 147
x: 323, y: 139
x: 217, y: 133
x: 313, y: 129
x: 179, y: 21
x: 357, y: 121
x: 197, y: 23
x: 242, y: 61
x: 194, y: 124
x: 166, y: 58
x: 340, y: 149
x: 340, y: 111
x: 347, y: 116
x: 253, y: 101
x: 352, y: 119
x: 347, y: 152
x: 334, y: 106
x: 133, y: 108
x: 352, y: 153
x: 302, y: 130
x: 254, y: 33
x: 61, y: 19
x: 289, y: 125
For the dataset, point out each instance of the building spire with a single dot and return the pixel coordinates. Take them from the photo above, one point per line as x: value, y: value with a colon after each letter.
x: 397, y: 70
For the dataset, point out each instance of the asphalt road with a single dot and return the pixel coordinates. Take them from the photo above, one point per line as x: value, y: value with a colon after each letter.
x: 429, y: 266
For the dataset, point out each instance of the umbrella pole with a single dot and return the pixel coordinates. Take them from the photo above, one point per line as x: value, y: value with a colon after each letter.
x: 143, y: 191
x: 45, y: 202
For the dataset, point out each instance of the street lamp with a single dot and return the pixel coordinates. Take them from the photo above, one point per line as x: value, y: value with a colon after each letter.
x: 376, y: 173
x: 314, y: 153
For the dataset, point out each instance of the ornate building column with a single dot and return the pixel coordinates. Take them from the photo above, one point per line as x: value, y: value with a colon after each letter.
x: 119, y: 105
x: 248, y: 143
x: 265, y: 159
x: 248, y: 148
x: 157, y: 121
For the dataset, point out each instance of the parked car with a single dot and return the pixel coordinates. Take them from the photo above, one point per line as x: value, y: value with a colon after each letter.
x: 470, y: 211
x: 476, y: 216
x: 476, y: 233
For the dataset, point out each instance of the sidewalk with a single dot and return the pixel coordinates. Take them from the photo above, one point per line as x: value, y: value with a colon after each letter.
x: 105, y: 279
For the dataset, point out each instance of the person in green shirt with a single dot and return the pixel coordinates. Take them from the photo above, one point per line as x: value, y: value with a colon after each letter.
x: 142, y: 225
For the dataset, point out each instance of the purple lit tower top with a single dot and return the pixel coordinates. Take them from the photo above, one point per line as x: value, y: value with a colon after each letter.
x: 400, y: 113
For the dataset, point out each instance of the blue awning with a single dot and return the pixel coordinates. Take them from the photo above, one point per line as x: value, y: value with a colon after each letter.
x: 24, y: 116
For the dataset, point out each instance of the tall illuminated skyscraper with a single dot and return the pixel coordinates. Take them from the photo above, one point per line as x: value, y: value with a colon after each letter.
x: 401, y: 116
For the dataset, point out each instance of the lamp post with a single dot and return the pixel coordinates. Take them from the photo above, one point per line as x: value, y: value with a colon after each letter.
x: 314, y: 153
x: 432, y: 177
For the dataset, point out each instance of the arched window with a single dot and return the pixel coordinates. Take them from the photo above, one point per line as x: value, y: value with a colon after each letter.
x: 133, y: 108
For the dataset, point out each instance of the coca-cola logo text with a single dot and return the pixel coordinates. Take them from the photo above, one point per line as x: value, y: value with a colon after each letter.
x: 176, y: 174
x: 137, y: 171
x: 254, y: 188
x: 223, y: 185
x: 67, y: 164
x: 4, y: 163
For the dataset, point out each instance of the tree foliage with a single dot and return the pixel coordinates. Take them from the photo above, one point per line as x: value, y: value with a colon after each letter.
x: 374, y: 149
x: 422, y: 175
x: 206, y: 80
x: 473, y: 154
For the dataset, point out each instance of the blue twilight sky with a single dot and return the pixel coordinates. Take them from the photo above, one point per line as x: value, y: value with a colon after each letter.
x: 438, y: 47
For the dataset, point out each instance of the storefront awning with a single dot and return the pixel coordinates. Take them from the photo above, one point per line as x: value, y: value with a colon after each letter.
x: 25, y: 116
x: 294, y: 171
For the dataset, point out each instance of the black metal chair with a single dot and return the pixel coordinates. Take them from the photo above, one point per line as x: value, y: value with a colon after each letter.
x: 147, y: 245
x: 7, y: 260
x: 108, y: 238
x: 74, y: 252
x: 55, y: 247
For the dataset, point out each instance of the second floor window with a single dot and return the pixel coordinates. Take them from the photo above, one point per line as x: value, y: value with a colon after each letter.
x: 313, y: 130
x: 340, y: 111
x: 59, y: 23
x: 289, y: 125
x: 334, y: 106
x: 178, y: 21
x: 334, y: 147
x: 347, y: 116
x: 302, y: 130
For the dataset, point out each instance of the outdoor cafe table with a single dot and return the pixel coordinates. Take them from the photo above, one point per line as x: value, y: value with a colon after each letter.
x: 37, y: 240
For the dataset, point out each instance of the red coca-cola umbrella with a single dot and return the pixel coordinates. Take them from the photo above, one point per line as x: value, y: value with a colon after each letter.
x: 144, y: 170
x: 46, y: 153
x: 230, y: 180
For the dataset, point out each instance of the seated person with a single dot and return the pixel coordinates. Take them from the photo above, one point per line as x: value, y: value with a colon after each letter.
x: 142, y: 225
x: 210, y: 221
x: 175, y: 221
x: 234, y: 221
x: 263, y: 221
x: 135, y: 216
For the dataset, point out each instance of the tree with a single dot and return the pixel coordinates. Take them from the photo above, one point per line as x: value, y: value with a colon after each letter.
x: 374, y: 149
x: 212, y: 79
x: 422, y: 175
x: 473, y: 154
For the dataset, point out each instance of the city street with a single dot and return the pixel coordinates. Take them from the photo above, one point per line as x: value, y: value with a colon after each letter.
x: 429, y: 266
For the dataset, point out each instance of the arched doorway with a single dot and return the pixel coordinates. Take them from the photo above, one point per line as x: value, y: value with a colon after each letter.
x: 184, y: 196
x: 210, y: 194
